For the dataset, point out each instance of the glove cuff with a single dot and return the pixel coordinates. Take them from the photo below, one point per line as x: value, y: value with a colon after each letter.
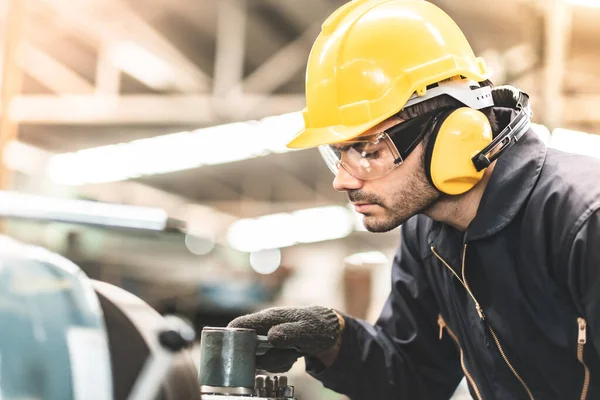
x: 330, y: 324
x: 332, y: 320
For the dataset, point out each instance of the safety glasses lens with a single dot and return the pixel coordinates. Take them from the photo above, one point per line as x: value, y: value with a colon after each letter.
x: 364, y: 159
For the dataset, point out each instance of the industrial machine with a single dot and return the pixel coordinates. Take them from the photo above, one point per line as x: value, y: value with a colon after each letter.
x: 67, y: 337
x: 53, y: 344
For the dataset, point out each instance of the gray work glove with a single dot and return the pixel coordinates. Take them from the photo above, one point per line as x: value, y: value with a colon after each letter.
x: 294, y: 332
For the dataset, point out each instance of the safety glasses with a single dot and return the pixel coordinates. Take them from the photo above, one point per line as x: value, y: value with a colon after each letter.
x: 375, y: 155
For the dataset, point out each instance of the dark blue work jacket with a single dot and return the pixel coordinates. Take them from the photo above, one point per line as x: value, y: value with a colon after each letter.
x: 512, y: 303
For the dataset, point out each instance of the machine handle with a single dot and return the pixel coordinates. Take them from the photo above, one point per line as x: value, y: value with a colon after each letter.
x: 263, y: 345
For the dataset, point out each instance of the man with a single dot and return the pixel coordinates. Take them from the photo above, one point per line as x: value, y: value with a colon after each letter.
x: 497, y: 277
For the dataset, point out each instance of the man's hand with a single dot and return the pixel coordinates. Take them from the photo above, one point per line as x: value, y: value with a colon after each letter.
x: 295, y: 332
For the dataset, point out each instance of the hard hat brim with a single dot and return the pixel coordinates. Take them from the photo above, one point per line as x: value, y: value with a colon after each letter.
x: 314, y: 137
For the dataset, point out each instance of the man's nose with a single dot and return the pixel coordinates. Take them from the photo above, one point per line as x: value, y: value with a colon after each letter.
x: 344, y: 182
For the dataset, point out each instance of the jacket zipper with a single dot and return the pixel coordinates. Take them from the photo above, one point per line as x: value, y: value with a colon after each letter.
x: 481, y: 314
x: 581, y: 340
x: 443, y: 325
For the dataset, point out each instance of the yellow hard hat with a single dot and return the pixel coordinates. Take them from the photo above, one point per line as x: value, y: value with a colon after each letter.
x: 370, y: 58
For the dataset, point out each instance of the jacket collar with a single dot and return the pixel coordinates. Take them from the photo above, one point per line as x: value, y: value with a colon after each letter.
x: 514, y: 177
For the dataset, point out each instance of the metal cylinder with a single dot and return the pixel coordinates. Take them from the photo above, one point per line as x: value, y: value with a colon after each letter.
x: 227, y: 357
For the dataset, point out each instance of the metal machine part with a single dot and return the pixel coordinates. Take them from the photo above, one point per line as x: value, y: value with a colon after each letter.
x: 137, y: 346
x: 174, y: 337
x: 54, y: 343
x: 66, y: 337
x: 265, y: 388
x: 227, y: 367
x: 227, y: 359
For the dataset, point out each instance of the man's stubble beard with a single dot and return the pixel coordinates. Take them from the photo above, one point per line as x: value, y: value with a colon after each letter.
x: 417, y: 196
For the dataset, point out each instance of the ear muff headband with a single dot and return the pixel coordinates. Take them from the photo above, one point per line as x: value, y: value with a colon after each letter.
x: 510, y: 135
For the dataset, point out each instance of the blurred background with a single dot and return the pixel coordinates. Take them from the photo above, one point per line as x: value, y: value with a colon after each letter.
x: 123, y: 120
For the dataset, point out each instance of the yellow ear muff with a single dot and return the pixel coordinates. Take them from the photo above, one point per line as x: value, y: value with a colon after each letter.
x: 457, y: 136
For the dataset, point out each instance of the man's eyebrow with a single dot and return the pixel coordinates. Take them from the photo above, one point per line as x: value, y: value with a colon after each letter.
x: 356, y: 144
x: 347, y: 146
x: 342, y: 147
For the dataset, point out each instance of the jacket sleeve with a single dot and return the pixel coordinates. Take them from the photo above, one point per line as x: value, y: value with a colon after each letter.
x: 584, y: 275
x: 401, y: 356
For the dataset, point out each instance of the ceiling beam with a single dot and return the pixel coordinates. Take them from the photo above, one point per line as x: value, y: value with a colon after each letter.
x: 283, y: 65
x: 203, y: 110
x: 108, y: 75
x: 119, y: 24
x: 231, y: 40
x: 51, y: 73
x: 192, y: 79
x: 200, y: 110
